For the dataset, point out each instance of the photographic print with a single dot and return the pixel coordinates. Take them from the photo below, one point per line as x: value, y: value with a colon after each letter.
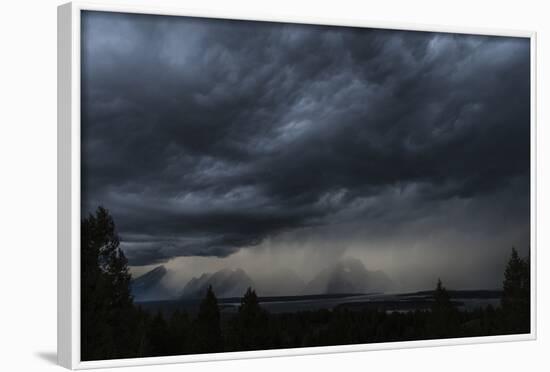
x: 252, y: 185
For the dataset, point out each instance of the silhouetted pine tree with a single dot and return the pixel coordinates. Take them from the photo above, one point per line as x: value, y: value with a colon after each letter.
x: 252, y: 323
x: 516, y: 294
x: 442, y: 300
x: 443, y: 320
x: 108, y: 317
x: 207, y: 335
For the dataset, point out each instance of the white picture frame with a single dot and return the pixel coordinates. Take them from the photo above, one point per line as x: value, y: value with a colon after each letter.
x: 69, y: 187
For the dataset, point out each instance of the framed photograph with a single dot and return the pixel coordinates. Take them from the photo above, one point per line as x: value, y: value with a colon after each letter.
x: 237, y: 185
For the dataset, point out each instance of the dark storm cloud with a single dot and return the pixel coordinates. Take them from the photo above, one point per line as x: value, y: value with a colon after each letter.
x: 205, y: 136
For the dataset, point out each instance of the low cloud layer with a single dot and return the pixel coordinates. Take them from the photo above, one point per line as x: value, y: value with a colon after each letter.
x: 204, y: 137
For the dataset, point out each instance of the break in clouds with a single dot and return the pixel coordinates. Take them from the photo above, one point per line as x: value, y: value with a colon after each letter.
x: 218, y: 142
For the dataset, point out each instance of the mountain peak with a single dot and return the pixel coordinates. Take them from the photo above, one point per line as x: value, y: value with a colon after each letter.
x: 348, y: 275
x: 149, y: 286
x: 154, y: 274
x: 349, y: 264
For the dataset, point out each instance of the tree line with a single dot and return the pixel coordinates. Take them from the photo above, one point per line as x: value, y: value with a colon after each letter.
x: 113, y: 327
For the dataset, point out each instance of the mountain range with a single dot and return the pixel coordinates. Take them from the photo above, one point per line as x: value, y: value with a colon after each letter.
x: 348, y: 275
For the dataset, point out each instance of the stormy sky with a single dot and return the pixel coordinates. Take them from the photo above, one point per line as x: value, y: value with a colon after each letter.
x: 222, y: 139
